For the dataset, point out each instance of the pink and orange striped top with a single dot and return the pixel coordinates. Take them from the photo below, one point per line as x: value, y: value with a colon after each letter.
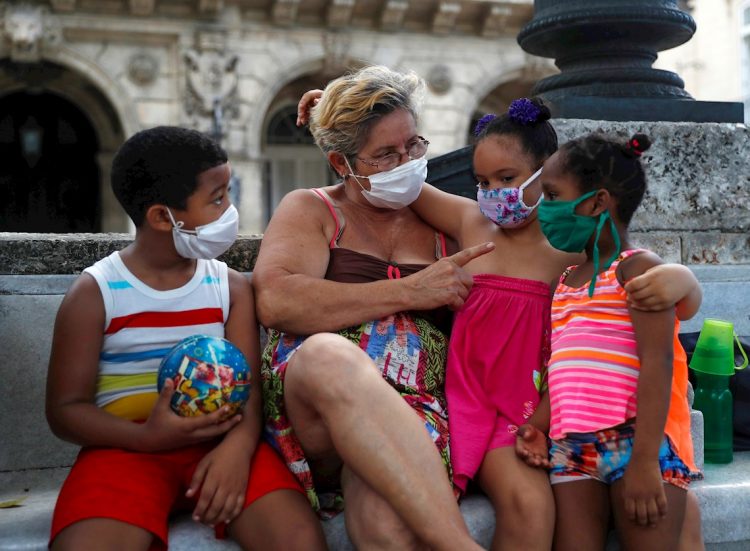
x: 594, y: 366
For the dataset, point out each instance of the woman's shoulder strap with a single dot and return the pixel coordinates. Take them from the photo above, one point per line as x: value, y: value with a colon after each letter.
x: 338, y: 217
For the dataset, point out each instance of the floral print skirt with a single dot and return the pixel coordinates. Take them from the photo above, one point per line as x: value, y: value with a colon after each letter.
x: 409, y: 351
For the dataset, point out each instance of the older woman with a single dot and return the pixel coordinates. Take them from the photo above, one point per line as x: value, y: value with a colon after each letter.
x: 357, y: 408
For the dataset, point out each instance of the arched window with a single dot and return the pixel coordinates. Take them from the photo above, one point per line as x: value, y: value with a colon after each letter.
x: 283, y: 129
x: 294, y: 161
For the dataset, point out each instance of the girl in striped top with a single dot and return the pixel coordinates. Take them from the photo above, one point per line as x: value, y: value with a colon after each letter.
x: 617, y: 410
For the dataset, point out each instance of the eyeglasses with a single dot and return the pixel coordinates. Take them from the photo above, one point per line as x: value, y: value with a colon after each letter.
x: 389, y: 161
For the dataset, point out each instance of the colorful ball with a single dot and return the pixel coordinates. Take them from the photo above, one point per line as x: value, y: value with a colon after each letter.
x: 208, y: 373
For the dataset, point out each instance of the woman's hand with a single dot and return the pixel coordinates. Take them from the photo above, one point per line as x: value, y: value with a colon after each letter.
x: 165, y: 430
x: 308, y: 100
x: 445, y: 283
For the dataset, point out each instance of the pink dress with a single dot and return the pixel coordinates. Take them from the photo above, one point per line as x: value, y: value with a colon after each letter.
x: 498, y: 349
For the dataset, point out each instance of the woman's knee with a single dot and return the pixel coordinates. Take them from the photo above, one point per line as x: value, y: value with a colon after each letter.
x: 328, y: 366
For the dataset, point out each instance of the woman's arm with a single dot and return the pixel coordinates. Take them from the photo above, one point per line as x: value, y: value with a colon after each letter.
x: 444, y: 211
x: 292, y: 295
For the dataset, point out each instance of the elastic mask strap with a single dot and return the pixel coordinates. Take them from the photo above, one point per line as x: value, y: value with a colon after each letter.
x: 525, y: 185
x: 177, y: 225
x: 351, y: 173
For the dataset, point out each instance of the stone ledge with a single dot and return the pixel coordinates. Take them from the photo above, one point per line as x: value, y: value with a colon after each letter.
x: 70, y: 253
x: 724, y: 498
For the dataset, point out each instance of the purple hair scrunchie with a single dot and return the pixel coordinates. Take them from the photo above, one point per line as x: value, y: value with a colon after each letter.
x: 524, y: 111
x: 482, y: 123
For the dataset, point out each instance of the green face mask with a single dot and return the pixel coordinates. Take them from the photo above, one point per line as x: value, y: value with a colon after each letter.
x: 570, y: 232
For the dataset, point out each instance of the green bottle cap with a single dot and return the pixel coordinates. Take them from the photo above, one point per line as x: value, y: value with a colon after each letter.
x: 714, y: 351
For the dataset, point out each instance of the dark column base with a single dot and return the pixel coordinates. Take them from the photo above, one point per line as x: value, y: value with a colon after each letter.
x: 646, y: 109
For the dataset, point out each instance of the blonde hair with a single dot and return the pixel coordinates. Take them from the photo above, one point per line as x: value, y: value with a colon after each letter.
x: 351, y: 104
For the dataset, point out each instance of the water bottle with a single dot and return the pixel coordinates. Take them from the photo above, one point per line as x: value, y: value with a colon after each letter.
x: 713, y: 364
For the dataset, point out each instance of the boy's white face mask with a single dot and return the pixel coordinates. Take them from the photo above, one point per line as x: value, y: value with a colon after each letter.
x: 207, y: 241
x: 395, y: 188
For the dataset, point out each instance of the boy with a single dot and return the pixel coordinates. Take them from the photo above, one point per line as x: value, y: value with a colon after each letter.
x: 139, y: 460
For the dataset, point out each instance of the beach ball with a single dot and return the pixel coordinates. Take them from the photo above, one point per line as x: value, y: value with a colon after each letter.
x: 208, y: 373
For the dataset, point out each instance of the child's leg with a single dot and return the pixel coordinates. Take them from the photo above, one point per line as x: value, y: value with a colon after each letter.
x: 523, y: 501
x: 277, y: 514
x: 691, y: 536
x: 107, y: 533
x: 282, y: 519
x: 582, y: 515
x: 664, y: 536
x: 118, y: 498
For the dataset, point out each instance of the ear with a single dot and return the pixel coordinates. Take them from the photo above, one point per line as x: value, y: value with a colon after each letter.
x: 157, y: 217
x: 600, y: 202
x: 338, y: 162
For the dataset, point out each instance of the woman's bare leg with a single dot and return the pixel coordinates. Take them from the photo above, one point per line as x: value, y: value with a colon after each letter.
x: 336, y: 400
x: 371, y: 522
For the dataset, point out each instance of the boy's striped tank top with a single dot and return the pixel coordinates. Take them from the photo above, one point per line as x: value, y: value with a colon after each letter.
x: 594, y: 366
x: 142, y: 324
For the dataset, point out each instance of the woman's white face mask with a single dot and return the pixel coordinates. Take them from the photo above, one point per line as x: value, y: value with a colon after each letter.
x: 395, y: 188
x: 207, y: 241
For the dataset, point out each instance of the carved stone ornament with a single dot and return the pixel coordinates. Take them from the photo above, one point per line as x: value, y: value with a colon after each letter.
x: 439, y: 79
x: 143, y: 69
x: 211, y: 82
x: 28, y: 29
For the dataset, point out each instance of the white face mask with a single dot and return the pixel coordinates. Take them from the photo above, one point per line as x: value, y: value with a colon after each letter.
x: 207, y: 241
x: 395, y: 188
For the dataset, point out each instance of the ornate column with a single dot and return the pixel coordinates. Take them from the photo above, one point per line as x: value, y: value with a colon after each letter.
x: 605, y: 50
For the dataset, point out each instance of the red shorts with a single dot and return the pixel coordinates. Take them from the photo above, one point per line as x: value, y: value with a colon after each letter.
x: 143, y: 489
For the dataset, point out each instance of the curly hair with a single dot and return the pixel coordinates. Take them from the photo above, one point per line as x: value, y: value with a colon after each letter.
x: 353, y: 103
x: 161, y: 165
x: 598, y: 162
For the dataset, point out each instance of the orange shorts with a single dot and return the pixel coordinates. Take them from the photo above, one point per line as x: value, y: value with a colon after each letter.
x: 143, y: 489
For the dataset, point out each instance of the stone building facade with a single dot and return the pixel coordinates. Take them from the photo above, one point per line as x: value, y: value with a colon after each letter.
x: 77, y: 77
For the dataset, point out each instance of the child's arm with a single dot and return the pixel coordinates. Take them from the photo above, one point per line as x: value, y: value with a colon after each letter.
x: 643, y: 489
x: 221, y: 476
x: 71, y: 387
x: 531, y: 438
x: 308, y: 100
x: 444, y: 211
x: 662, y: 287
